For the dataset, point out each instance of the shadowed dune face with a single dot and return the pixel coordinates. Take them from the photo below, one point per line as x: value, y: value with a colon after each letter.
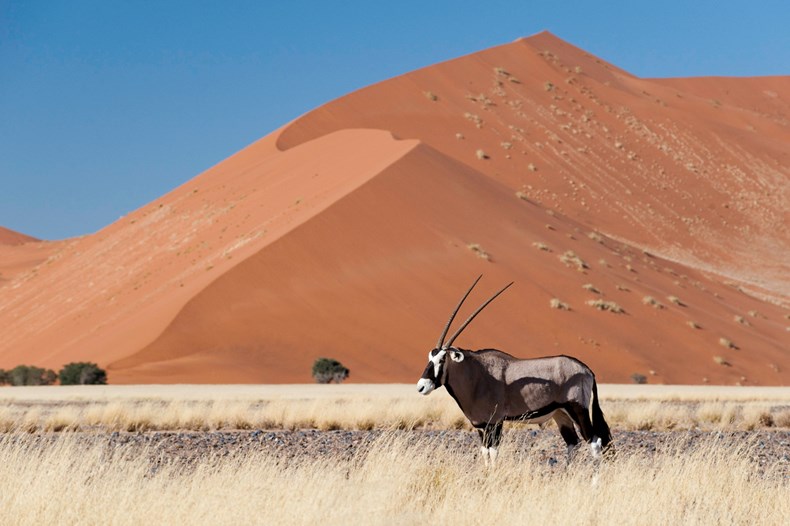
x: 352, y: 231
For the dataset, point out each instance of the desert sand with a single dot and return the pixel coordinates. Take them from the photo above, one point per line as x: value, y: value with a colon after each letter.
x: 352, y: 231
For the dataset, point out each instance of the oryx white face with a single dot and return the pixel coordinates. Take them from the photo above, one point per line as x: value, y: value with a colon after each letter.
x: 434, y: 371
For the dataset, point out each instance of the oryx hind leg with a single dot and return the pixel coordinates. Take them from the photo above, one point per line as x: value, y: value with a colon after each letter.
x: 581, y: 417
x: 568, y: 433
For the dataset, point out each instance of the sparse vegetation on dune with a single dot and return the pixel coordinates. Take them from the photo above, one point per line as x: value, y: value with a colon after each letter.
x: 606, y: 306
x: 650, y: 300
x: 396, y: 479
x: 477, y: 249
x: 570, y: 259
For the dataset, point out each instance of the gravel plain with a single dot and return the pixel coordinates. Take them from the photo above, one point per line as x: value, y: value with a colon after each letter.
x: 767, y: 448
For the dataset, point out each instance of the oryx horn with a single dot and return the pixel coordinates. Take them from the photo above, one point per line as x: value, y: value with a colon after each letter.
x: 440, y: 345
x: 475, y: 313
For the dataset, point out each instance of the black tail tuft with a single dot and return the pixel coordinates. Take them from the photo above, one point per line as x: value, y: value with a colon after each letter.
x: 600, y: 427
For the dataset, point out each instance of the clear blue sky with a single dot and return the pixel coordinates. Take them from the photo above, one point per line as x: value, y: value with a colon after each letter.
x: 106, y: 105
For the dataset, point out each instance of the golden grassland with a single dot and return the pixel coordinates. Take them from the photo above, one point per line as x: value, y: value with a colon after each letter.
x: 360, y: 406
x: 392, y: 481
x: 62, y: 477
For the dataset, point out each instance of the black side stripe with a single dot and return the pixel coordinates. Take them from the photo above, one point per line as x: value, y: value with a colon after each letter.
x: 537, y: 413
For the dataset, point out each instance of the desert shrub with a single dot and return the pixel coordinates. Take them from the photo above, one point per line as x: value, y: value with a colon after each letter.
x: 606, y: 306
x: 477, y: 249
x: 650, y: 300
x: 31, y: 375
x: 721, y: 360
x: 638, y: 378
x: 4, y: 377
x: 329, y: 370
x: 82, y: 373
x: 572, y: 260
x: 725, y: 342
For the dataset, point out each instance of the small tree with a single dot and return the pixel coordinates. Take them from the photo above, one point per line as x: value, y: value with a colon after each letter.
x: 4, y: 377
x: 82, y: 373
x: 31, y: 375
x: 329, y: 370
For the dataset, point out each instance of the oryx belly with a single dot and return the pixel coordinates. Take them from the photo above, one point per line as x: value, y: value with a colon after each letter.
x: 540, y: 420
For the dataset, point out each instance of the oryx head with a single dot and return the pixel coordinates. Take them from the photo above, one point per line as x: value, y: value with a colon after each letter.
x: 435, y: 372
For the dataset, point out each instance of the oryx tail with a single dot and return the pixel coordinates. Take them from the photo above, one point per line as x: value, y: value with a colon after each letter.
x: 599, y: 425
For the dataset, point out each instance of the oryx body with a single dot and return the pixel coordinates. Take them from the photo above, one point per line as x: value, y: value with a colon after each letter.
x: 491, y: 386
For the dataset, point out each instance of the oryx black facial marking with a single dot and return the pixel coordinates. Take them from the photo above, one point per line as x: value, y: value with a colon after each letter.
x: 491, y: 386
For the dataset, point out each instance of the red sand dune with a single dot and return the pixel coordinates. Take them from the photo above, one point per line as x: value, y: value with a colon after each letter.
x: 352, y: 231
x: 9, y: 237
x: 20, y: 253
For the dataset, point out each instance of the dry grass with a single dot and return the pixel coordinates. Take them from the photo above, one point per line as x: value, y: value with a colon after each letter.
x: 591, y: 288
x: 571, y: 259
x: 650, y: 300
x: 139, y: 415
x: 595, y: 236
x: 541, y: 246
x: 726, y: 342
x: 477, y: 249
x: 677, y: 301
x: 474, y: 118
x: 721, y: 360
x: 394, y: 481
x: 354, y: 406
x: 605, y: 306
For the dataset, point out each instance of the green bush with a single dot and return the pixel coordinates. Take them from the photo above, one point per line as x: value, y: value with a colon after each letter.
x: 30, y: 375
x: 82, y: 373
x: 329, y: 370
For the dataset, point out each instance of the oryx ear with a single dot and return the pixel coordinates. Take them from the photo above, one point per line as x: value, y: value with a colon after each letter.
x: 456, y: 356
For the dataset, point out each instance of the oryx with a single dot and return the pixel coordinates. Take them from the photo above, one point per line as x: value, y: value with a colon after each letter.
x: 491, y: 386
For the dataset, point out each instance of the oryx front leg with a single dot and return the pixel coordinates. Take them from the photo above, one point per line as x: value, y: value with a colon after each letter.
x: 490, y: 436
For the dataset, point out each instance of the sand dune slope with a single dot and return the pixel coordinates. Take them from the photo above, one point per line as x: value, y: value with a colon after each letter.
x: 372, y: 278
x: 694, y: 169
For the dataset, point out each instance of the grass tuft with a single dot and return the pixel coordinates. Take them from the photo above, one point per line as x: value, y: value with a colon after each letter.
x: 650, y: 300
x: 603, y: 305
x: 569, y: 258
x: 477, y: 249
x: 726, y: 342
